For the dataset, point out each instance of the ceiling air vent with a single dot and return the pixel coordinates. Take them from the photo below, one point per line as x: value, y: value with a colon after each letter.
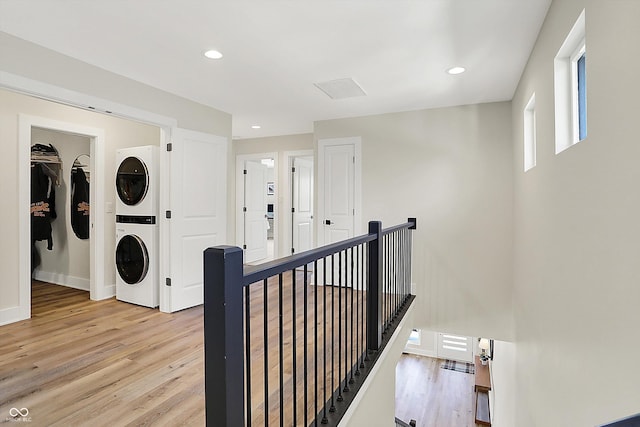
x: 341, y: 88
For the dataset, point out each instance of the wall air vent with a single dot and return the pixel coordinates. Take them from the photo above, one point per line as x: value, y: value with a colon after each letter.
x: 341, y: 88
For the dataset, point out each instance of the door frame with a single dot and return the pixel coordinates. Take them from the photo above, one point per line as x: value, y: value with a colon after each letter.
x: 356, y: 141
x: 97, y: 288
x: 49, y: 92
x: 240, y: 159
x: 288, y: 201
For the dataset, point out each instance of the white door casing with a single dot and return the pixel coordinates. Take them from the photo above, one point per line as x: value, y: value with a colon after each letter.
x: 302, y: 204
x: 98, y: 288
x: 197, y: 199
x: 255, y: 211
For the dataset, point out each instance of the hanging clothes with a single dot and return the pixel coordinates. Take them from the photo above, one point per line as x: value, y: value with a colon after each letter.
x: 43, y: 205
x: 80, y: 203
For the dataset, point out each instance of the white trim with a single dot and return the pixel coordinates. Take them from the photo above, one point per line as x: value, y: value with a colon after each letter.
x: 529, y: 125
x: 421, y: 352
x: 97, y: 218
x: 564, y: 86
x: 356, y: 141
x: 13, y: 314
x: 79, y: 100
x: 164, y: 236
x: 240, y: 159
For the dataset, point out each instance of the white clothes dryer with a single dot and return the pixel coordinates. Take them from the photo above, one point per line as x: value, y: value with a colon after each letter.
x: 137, y: 261
x: 137, y: 181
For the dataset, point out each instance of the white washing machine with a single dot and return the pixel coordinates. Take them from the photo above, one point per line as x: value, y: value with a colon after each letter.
x: 137, y: 181
x: 137, y: 261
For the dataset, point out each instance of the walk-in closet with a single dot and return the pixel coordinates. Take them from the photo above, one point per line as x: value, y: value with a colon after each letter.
x: 60, y: 211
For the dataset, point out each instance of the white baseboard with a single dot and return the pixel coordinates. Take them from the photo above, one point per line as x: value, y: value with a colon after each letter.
x: 63, y: 279
x: 420, y: 352
x: 11, y: 315
x: 109, y: 292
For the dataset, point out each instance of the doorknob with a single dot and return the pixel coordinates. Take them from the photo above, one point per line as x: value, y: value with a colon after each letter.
x: 327, y: 222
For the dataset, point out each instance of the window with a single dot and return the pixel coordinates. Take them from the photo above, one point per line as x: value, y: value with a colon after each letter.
x: 530, y: 133
x: 570, y: 88
x: 580, y: 105
x: 414, y: 338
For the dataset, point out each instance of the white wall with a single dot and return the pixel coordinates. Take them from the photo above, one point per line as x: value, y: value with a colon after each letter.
x: 375, y: 403
x: 68, y: 262
x: 451, y: 169
x: 119, y: 133
x: 577, y: 222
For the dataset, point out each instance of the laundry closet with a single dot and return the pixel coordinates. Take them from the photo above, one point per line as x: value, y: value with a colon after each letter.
x: 60, y: 182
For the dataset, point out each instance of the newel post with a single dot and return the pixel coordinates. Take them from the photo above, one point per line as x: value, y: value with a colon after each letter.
x: 223, y: 335
x: 374, y: 289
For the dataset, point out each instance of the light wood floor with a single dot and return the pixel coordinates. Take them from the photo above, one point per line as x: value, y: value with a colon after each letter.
x: 78, y: 362
x: 433, y: 396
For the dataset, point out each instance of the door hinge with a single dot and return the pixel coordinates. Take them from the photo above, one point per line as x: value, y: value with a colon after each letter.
x: 244, y: 209
x: 354, y: 159
x: 293, y: 210
x: 293, y: 170
x: 244, y: 172
x: 293, y: 250
x: 169, y: 146
x: 168, y: 281
x: 168, y: 214
x: 244, y: 246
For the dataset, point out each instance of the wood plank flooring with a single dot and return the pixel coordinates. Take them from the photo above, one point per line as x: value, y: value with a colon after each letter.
x: 433, y: 396
x: 78, y: 362
x: 102, y: 363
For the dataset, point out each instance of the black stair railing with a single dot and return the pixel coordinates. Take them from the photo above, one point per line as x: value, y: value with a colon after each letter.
x: 290, y: 342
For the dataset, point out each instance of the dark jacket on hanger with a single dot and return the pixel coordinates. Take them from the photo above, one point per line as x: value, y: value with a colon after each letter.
x: 80, y: 203
x: 43, y: 205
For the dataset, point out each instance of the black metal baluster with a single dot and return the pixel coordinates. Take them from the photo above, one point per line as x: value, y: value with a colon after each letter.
x: 346, y: 321
x: 340, y: 398
x: 247, y: 349
x: 324, y: 341
x: 266, y: 353
x: 333, y: 340
x: 281, y: 347
x: 305, y: 352
x: 293, y: 340
x: 315, y: 341
x: 351, y: 349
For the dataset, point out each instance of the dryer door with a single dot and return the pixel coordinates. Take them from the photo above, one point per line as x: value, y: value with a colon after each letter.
x: 132, y: 259
x: 132, y: 181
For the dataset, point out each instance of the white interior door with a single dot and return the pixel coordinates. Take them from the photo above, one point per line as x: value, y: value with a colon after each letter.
x: 455, y: 347
x: 255, y: 211
x: 302, y: 211
x: 339, y: 192
x: 198, y: 198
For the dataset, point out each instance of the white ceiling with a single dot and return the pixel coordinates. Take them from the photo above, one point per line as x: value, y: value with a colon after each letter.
x: 275, y: 50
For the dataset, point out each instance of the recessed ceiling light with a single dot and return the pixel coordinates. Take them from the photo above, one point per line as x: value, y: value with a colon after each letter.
x: 255, y: 127
x: 456, y: 70
x: 213, y: 54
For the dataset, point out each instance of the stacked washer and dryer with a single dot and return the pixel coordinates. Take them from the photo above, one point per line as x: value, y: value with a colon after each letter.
x: 137, y: 181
